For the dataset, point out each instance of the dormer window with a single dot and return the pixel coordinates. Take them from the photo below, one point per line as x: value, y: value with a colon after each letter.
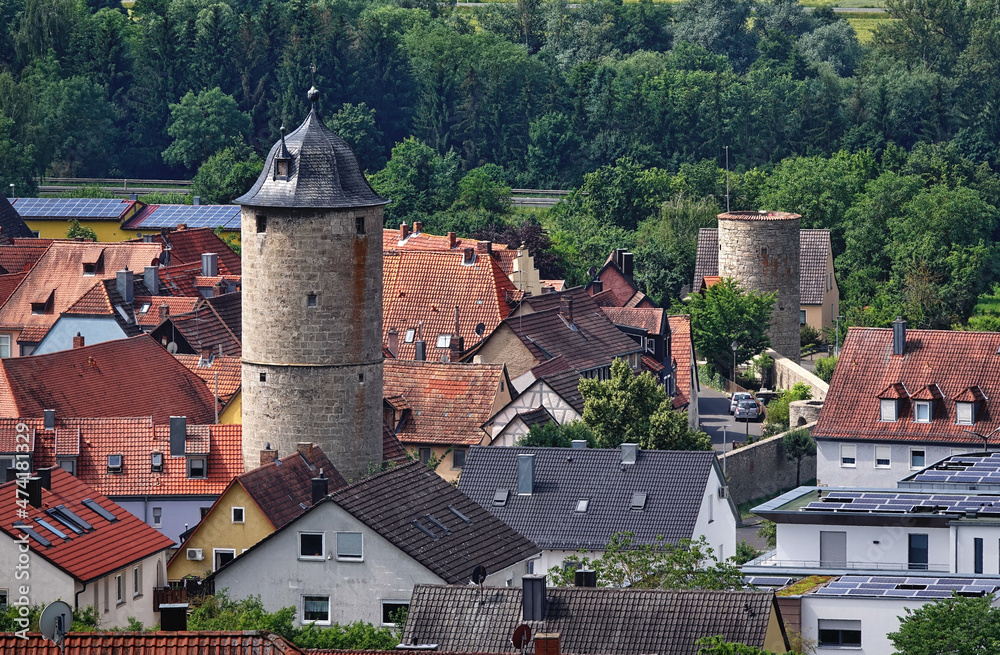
x: 42, y: 303
x: 281, y: 168
x: 115, y: 463
x: 889, y: 410
x: 196, y: 467
x: 965, y: 413
x: 922, y: 411
x: 156, y: 462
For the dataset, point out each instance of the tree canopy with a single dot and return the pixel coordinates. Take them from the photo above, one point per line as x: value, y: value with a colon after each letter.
x: 956, y: 625
x: 724, y: 314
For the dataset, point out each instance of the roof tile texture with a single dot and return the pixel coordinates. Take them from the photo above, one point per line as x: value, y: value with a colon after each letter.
x: 149, y: 643
x: 280, y: 489
x: 226, y: 371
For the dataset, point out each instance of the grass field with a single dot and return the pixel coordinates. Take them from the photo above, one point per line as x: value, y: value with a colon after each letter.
x: 864, y: 24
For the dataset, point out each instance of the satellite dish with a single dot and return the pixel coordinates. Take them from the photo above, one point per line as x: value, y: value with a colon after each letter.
x: 479, y: 574
x: 480, y: 329
x: 592, y: 271
x: 165, y: 257
x: 522, y: 637
x: 172, y: 347
x: 55, y: 621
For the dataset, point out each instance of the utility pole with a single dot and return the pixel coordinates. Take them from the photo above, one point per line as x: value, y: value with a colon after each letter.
x: 727, y: 179
x: 836, y: 350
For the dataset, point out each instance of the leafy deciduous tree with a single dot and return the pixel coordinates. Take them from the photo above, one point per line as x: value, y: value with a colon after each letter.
x: 727, y: 313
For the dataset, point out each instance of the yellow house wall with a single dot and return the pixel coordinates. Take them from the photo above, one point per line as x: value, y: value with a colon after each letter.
x: 503, y: 347
x: 106, y: 231
x: 233, y: 412
x: 217, y: 530
x: 774, y: 637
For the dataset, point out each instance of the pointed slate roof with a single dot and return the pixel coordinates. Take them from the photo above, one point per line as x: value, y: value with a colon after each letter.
x: 11, y: 223
x: 323, y: 171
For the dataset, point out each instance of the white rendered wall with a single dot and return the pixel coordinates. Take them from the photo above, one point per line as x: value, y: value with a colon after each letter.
x: 830, y: 472
x: 798, y: 544
x: 878, y: 618
x: 716, y: 520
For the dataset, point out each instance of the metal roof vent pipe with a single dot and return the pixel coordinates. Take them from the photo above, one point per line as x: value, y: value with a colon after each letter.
x: 630, y: 451
x: 597, y: 285
x: 526, y: 474
x: 585, y: 578
x: 320, y: 487
x: 50, y: 418
x: 196, y: 201
x: 125, y: 285
x: 45, y: 478
x: 178, y: 435
x: 209, y: 264
x: 35, y: 492
x: 151, y: 278
x: 533, y: 597
x: 578, y: 443
x: 899, y: 336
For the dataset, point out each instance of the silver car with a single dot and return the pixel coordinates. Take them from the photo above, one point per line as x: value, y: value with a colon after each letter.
x: 737, y: 397
x: 747, y: 410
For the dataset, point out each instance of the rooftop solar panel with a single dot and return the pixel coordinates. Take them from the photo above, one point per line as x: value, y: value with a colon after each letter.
x: 908, y: 502
x: 194, y: 216
x: 908, y: 587
x: 71, y: 207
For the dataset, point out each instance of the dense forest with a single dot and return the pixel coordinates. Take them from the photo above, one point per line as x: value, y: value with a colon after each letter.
x: 893, y: 145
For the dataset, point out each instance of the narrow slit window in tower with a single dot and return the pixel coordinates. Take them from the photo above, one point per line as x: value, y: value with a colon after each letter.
x: 263, y: 377
x: 261, y: 223
x: 361, y: 378
x: 359, y: 224
x: 311, y: 300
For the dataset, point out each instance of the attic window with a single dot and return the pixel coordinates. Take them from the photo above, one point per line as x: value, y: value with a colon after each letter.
x: 638, y: 501
x: 42, y: 303
x: 156, y: 462
x: 145, y: 307
x: 889, y: 409
x: 281, y: 168
x: 500, y: 497
x: 965, y: 413
x: 261, y: 223
x: 922, y: 411
x: 359, y: 224
x: 196, y: 467
x: 409, y: 336
x: 90, y: 269
x: 115, y: 463
x: 444, y: 340
x: 582, y: 504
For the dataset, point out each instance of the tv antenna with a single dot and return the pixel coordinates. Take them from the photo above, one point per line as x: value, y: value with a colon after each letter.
x: 727, y: 179
x: 521, y: 637
x: 55, y: 621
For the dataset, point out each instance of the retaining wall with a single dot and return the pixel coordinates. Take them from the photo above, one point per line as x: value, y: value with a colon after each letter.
x: 760, y: 469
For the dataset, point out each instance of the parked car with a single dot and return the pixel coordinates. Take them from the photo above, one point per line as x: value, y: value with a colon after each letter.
x: 737, y: 397
x: 748, y: 410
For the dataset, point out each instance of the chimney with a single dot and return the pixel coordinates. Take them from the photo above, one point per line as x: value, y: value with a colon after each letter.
x: 899, y: 336
x: 525, y: 474
x: 268, y: 455
x: 133, y: 196
x: 196, y: 201
x: 597, y: 286
x: 35, y: 492
x: 320, y: 487
x: 173, y: 617
x: 182, y: 226
x: 629, y: 452
x: 420, y: 350
x: 50, y: 418
x: 566, y: 308
x: 452, y: 239
x: 164, y: 310
x: 618, y: 257
x: 404, y: 231
x: 178, y: 436
x: 151, y: 278
x: 533, y: 598
x: 219, y: 288
x: 393, y: 345
x: 578, y: 443
x: 468, y: 256
x: 303, y: 448
x: 585, y: 578
x: 206, y: 355
x: 45, y: 478
x: 78, y: 341
x: 418, y: 227
x: 209, y: 264
x: 627, y: 264
x: 547, y: 643
x: 124, y: 285
x: 488, y: 247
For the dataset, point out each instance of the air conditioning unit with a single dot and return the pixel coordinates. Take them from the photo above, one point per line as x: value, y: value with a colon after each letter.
x: 195, y: 554
x: 723, y: 492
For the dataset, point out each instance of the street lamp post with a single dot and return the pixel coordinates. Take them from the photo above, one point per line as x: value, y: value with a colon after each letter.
x: 836, y: 350
x: 724, y: 446
x: 734, y: 346
x: 984, y: 437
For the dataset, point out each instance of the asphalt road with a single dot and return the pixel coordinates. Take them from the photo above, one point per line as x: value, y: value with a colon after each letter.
x: 713, y: 412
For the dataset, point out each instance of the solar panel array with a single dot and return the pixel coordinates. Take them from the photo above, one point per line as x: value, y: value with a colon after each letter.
x: 905, y: 503
x: 70, y: 207
x: 213, y: 216
x: 767, y: 581
x: 908, y: 587
x: 963, y: 469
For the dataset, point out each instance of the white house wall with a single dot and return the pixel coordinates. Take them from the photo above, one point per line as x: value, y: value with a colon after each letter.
x: 137, y: 606
x: 830, y: 472
x: 716, y: 520
x: 93, y: 329
x: 878, y: 618
x: 868, y: 547
x: 536, y: 395
x: 45, y: 582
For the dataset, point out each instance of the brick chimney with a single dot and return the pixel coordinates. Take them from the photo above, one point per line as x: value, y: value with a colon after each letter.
x: 393, y: 344
x: 404, y: 231
x: 78, y: 341
x: 303, y: 448
x: 547, y: 643
x: 452, y: 239
x: 164, y: 310
x: 182, y: 226
x: 566, y: 308
x: 268, y: 455
x: 418, y: 227
x: 468, y: 256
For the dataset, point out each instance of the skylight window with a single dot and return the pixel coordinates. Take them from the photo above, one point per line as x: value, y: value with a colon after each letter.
x: 500, y: 497
x: 409, y: 336
x: 582, y: 504
x: 156, y: 462
x: 31, y: 533
x: 97, y: 509
x: 51, y: 528
x: 638, y: 501
x: 115, y: 463
x: 444, y: 340
x: 145, y: 307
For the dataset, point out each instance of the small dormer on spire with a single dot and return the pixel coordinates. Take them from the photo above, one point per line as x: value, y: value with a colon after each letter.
x: 282, y: 160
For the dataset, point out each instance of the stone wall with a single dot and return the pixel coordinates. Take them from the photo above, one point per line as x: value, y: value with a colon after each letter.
x: 803, y: 412
x: 787, y: 373
x: 760, y: 469
x: 761, y: 251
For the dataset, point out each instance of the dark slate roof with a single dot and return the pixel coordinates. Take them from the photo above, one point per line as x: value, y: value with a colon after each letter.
x: 567, y: 385
x: 588, y: 620
x: 537, y: 416
x: 283, y: 489
x: 11, y: 223
x: 392, y: 503
x: 674, y: 481
x: 324, y: 171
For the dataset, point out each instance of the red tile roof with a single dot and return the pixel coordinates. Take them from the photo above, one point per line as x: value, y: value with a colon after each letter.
x: 504, y: 254
x: 60, y: 271
x: 150, y: 643
x: 95, y: 552
x: 229, y: 372
x: 648, y: 319
x: 448, y: 401
x: 680, y: 350
x: 21, y: 256
x: 8, y: 283
x: 188, y: 245
x: 93, y: 302
x: 215, y: 324
x: 175, y: 305
x: 186, y: 279
x: 114, y: 378
x: 427, y: 286
x: 933, y: 360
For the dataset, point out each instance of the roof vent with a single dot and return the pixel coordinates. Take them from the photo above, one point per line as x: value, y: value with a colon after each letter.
x: 178, y: 435
x: 629, y: 453
x: 50, y: 418
x: 898, y: 336
x: 597, y: 286
x: 638, y: 501
x: 500, y: 497
x: 320, y: 487
x: 533, y: 599
x: 525, y: 474
x: 578, y: 443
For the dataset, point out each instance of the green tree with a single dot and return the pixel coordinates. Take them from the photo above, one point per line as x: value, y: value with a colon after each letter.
x: 798, y: 444
x: 16, y: 162
x: 201, y: 125
x: 80, y: 231
x: 630, y: 408
x: 724, y: 314
x: 553, y: 435
x: 720, y: 26
x: 719, y: 646
x: 956, y: 625
x: 227, y: 174
x: 418, y: 181
x: 356, y: 125
x: 824, y: 368
x: 688, y: 564
x: 484, y: 188
x: 768, y: 531
x: 75, y: 133
x: 777, y: 409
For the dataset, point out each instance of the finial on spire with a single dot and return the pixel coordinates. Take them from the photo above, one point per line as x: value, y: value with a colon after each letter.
x: 313, y: 95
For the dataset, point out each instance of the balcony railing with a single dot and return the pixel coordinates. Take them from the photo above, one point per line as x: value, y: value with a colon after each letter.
x: 769, y: 559
x: 167, y: 596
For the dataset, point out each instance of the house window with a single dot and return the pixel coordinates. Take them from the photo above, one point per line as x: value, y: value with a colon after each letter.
x: 67, y: 465
x: 393, y: 611
x: 157, y: 517
x: 311, y: 545
x: 443, y: 340
x: 425, y: 455
x: 917, y: 458
x: 458, y: 457
x: 119, y: 589
x: 964, y: 414
x: 281, y: 168
x: 263, y: 377
x: 4, y: 345
x: 977, y: 547
x: 107, y: 595
x: 237, y: 515
x: 136, y: 581
x: 888, y: 410
x: 3, y: 599
x: 359, y: 224
x: 350, y: 546
x: 311, y: 300
x: 883, y: 457
x: 223, y: 556
x: 115, y: 463
x: 156, y: 462
x: 922, y: 411
x: 196, y: 467
x: 802, y: 317
x: 839, y: 634
x: 848, y: 455
x: 261, y: 223
x: 316, y: 609
x: 917, y: 559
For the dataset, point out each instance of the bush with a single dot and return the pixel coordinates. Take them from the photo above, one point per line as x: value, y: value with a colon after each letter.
x: 825, y: 366
x: 552, y: 435
x: 768, y: 531
x: 745, y: 552
x: 777, y: 409
x: 808, y: 336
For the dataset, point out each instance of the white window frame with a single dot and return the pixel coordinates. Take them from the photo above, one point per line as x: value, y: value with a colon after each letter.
x: 883, y: 450
x: 216, y: 551
x: 409, y: 335
x: 243, y: 514
x: 923, y: 454
x: 136, y: 581
x: 157, y: 520
x: 119, y: 589
x: 888, y: 410
x: 920, y: 406
x: 322, y: 549
x: 351, y: 558
x: 306, y: 621
x: 965, y: 408
x: 848, y: 455
x: 387, y: 601
x: 4, y: 345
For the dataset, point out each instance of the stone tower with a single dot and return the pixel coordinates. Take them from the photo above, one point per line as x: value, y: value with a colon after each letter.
x: 312, y: 302
x: 761, y: 251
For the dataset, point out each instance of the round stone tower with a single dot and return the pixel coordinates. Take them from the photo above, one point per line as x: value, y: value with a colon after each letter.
x: 761, y: 251
x: 312, y: 302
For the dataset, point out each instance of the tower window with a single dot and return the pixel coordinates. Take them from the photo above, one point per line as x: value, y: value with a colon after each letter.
x: 281, y: 168
x: 359, y: 224
x: 361, y: 378
x: 263, y: 377
x: 311, y: 300
x: 261, y: 223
